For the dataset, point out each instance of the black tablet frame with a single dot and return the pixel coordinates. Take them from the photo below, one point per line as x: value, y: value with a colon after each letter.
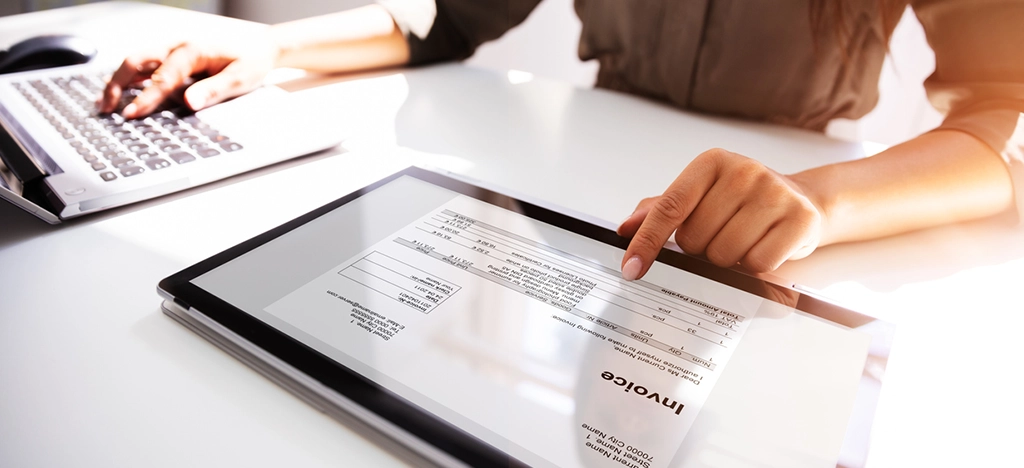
x: 416, y: 421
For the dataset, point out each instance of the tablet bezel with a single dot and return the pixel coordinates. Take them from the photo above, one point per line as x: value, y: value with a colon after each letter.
x: 398, y: 411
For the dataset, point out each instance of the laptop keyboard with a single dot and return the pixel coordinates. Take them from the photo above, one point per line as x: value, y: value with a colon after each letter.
x: 111, y: 145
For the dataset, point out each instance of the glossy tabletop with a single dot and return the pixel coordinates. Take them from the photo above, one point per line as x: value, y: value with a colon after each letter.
x: 93, y: 374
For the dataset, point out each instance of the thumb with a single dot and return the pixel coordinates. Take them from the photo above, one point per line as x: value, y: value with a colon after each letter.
x: 233, y: 80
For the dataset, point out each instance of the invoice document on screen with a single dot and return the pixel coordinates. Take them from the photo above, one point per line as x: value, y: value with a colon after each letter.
x: 525, y: 335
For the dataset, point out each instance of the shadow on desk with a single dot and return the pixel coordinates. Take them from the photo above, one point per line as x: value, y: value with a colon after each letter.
x: 884, y: 265
x: 19, y: 226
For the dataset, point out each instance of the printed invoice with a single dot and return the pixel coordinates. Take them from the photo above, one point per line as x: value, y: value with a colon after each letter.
x: 484, y: 317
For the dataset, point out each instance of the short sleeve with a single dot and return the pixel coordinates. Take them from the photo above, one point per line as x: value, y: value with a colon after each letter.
x: 453, y: 29
x: 979, y: 73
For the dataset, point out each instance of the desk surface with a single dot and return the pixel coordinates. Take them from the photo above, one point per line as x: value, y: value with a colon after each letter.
x: 93, y: 374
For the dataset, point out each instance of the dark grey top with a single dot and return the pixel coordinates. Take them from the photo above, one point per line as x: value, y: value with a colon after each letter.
x: 778, y: 61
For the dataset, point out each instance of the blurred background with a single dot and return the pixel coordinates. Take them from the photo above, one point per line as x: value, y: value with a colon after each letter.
x: 545, y: 45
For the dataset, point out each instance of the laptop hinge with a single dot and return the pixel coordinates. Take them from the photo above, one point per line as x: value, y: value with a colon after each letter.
x: 17, y: 161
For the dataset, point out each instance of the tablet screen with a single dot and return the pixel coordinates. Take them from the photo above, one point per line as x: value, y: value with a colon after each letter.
x: 524, y: 335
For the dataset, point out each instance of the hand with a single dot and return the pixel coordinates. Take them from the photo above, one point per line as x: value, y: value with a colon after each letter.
x: 233, y: 70
x: 731, y: 209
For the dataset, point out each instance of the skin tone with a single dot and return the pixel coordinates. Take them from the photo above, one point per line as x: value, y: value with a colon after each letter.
x: 734, y: 210
x: 354, y: 40
x: 725, y: 206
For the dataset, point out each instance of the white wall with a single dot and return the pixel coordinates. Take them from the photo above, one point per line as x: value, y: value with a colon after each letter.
x: 546, y: 43
x: 903, y: 110
x: 279, y: 11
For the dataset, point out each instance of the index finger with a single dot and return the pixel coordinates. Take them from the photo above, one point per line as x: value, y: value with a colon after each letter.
x: 172, y: 74
x: 666, y: 214
x: 132, y: 69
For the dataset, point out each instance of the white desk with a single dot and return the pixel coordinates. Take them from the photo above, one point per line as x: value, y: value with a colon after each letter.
x: 93, y: 374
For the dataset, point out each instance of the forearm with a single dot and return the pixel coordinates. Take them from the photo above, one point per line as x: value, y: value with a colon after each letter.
x: 937, y: 178
x: 358, y: 39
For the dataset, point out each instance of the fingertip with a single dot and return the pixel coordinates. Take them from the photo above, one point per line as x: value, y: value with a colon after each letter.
x: 130, y: 111
x: 629, y: 226
x: 195, y: 98
x: 621, y: 230
x: 632, y: 269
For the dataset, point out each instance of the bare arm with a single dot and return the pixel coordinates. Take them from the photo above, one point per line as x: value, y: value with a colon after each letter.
x: 940, y: 177
x: 357, y: 39
x: 734, y: 210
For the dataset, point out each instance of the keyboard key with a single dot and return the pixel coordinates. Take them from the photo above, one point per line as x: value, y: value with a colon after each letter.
x: 156, y: 163
x: 150, y: 143
x: 230, y: 146
x: 208, y: 152
x: 121, y: 162
x: 181, y: 157
x: 111, y: 119
x: 129, y: 171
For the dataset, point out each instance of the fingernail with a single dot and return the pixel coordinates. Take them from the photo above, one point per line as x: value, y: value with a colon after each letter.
x: 129, y: 110
x: 624, y: 222
x: 626, y: 219
x: 195, y: 102
x: 631, y: 270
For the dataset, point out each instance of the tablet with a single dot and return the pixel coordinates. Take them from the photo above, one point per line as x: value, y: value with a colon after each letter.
x: 470, y: 328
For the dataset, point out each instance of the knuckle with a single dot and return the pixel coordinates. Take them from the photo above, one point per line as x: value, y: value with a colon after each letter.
x: 759, y: 263
x: 131, y: 63
x: 688, y: 241
x: 719, y: 256
x: 236, y: 82
x: 803, y: 214
x: 750, y: 169
x: 715, y: 153
x: 211, y: 93
x: 185, y: 47
x: 670, y: 206
x: 644, y: 241
x: 646, y: 202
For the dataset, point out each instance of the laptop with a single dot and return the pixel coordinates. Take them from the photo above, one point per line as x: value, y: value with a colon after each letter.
x: 475, y: 329
x: 59, y: 159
